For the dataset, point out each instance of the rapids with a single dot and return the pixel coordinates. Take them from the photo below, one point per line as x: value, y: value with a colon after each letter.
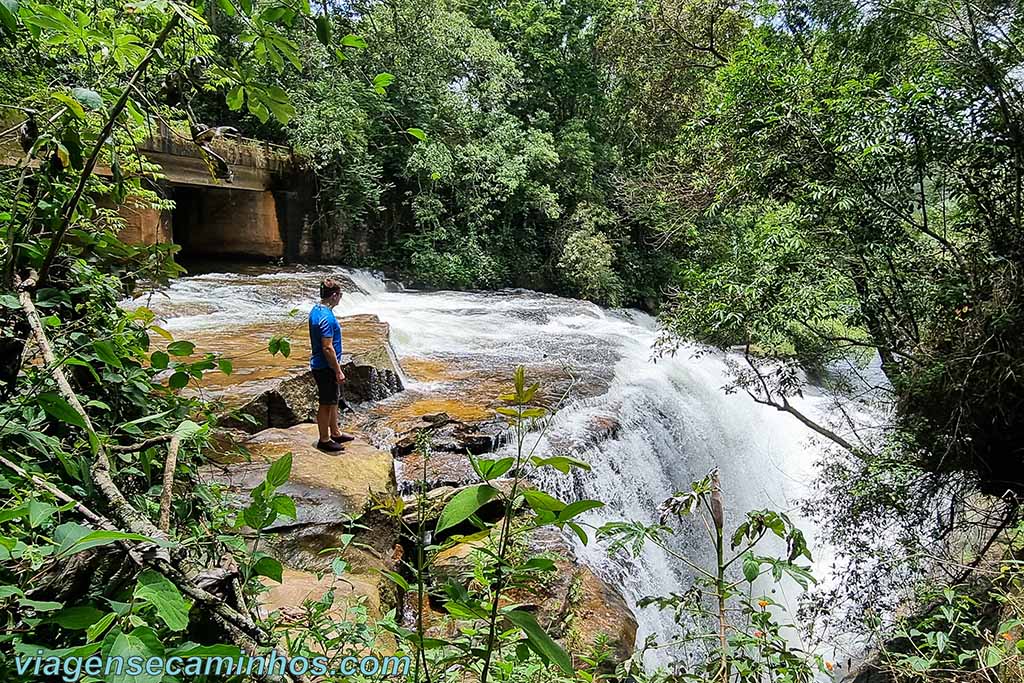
x: 647, y: 428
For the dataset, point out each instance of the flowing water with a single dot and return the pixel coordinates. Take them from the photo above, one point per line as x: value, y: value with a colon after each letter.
x: 646, y: 428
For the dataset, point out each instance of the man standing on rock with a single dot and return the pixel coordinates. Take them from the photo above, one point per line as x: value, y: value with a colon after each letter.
x: 324, y: 361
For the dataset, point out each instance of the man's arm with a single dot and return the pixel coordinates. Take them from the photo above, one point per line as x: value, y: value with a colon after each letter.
x: 327, y: 343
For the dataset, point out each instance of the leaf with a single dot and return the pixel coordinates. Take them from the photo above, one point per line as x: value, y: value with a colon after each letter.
x: 100, y: 627
x: 580, y: 533
x: 396, y: 578
x: 194, y: 650
x: 187, y: 429
x: 751, y: 567
x: 76, y: 618
x: 323, y: 29
x: 179, y: 380
x: 225, y: 366
x: 280, y: 470
x: 227, y: 7
x: 59, y: 409
x: 538, y: 500
x: 539, y: 641
x: 71, y: 103
x: 157, y: 590
x: 89, y: 98
x: 38, y: 512
x: 137, y: 644
x: 382, y: 81
x: 75, y: 541
x: 580, y: 506
x: 492, y: 469
x: 162, y: 332
x: 181, y: 348
x: 560, y: 463
x: 40, y: 605
x: 284, y: 505
x: 105, y: 351
x: 9, y: 14
x: 269, y: 567
x: 464, y: 504
x: 352, y: 40
x: 417, y: 133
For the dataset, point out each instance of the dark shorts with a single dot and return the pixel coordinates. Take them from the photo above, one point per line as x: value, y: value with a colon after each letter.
x: 327, y: 390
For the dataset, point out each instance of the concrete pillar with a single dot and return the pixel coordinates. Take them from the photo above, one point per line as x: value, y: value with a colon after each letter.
x: 143, y: 225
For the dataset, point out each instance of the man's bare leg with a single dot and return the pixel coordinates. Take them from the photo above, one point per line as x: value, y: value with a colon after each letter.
x: 335, y: 428
x: 326, y: 421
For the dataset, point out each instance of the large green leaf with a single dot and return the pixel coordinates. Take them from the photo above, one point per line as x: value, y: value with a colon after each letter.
x: 89, y: 98
x: 540, y: 642
x: 464, y: 504
x: 9, y: 14
x: 269, y: 567
x: 106, y: 352
x: 181, y: 348
x: 59, y: 409
x: 279, y: 472
x: 157, y: 590
x: 74, y: 538
x: 538, y: 500
x: 77, y: 618
x: 141, y: 642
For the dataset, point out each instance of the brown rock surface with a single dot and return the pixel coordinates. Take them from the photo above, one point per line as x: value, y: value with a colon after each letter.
x: 326, y: 487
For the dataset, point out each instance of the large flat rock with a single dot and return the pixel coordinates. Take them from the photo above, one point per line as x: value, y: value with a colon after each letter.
x: 326, y: 487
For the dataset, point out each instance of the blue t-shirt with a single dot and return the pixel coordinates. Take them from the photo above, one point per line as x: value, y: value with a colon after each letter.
x: 322, y: 323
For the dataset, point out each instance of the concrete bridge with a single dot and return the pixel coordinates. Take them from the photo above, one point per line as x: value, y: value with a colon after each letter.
x: 265, y: 212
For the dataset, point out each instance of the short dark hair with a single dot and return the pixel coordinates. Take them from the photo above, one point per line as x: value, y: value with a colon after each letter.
x: 329, y: 287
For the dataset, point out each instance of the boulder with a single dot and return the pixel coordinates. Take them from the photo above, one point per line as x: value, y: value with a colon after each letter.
x: 372, y: 373
x: 326, y: 487
x: 352, y: 593
x: 447, y: 434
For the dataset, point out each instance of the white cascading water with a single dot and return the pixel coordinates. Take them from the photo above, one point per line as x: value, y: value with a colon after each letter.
x: 660, y: 425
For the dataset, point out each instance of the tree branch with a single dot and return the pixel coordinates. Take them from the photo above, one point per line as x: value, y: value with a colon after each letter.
x: 71, y: 205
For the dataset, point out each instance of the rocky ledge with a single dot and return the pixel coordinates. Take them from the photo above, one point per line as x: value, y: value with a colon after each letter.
x: 372, y: 373
x: 326, y: 487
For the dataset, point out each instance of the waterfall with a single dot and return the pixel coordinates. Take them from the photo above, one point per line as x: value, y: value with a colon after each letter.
x: 646, y: 428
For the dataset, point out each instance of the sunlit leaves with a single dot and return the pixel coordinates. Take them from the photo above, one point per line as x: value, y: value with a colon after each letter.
x: 90, y: 99
x: 9, y: 15
x: 279, y: 344
x: 381, y: 82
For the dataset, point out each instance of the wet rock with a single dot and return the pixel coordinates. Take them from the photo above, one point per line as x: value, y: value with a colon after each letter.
x: 351, y: 593
x: 446, y: 434
x: 326, y: 487
x: 437, y: 470
x: 577, y: 606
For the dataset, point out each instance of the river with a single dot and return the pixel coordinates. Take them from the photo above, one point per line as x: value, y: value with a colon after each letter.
x: 646, y: 428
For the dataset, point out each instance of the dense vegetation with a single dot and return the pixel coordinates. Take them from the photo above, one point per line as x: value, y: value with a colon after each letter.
x: 830, y: 189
